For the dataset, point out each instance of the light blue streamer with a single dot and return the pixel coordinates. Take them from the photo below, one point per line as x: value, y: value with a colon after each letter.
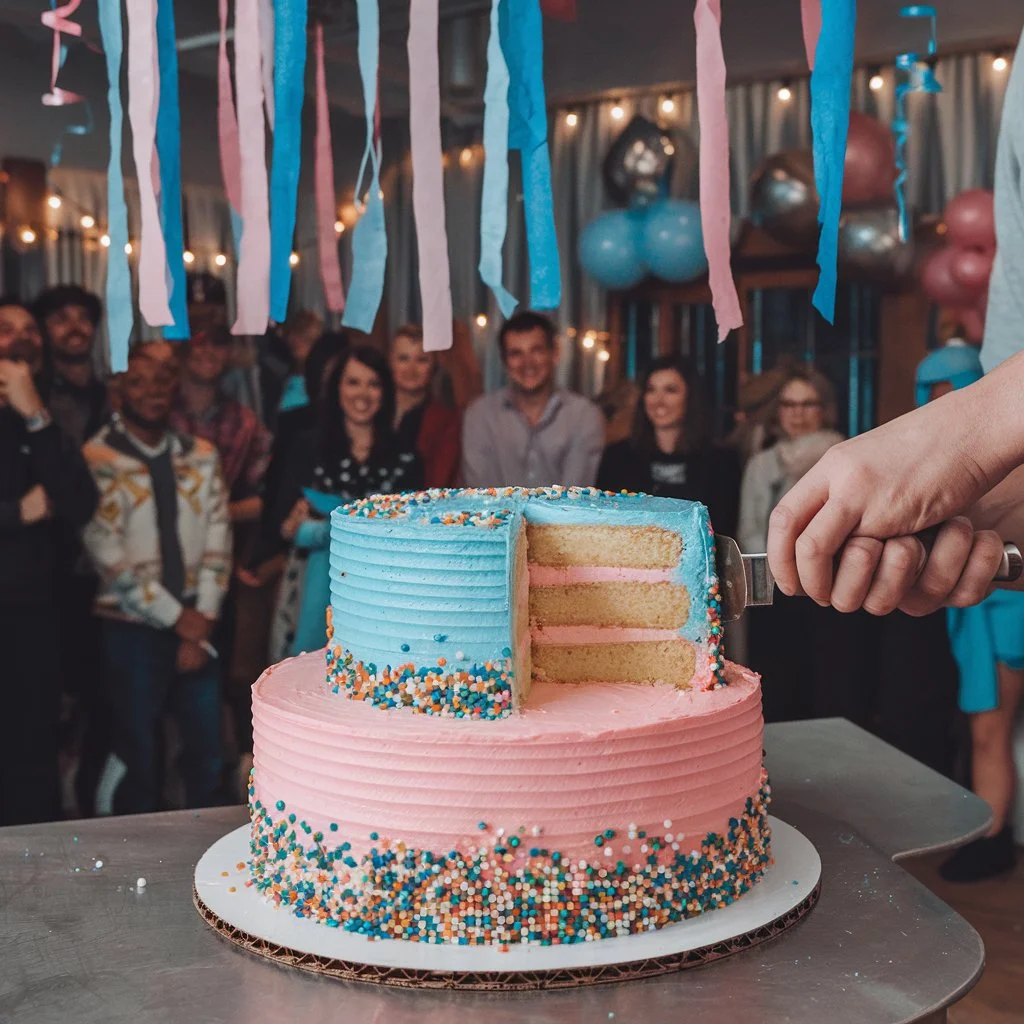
x: 289, y: 92
x: 168, y: 147
x: 494, y: 199
x: 369, y: 240
x: 831, y: 82
x: 523, y: 44
x: 120, y: 318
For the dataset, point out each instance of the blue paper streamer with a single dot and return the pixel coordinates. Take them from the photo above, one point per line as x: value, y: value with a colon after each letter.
x: 494, y: 199
x: 831, y: 82
x: 120, y: 318
x: 289, y: 92
x: 320, y: 502
x: 168, y: 147
x: 919, y: 77
x: 369, y: 240
x: 523, y: 44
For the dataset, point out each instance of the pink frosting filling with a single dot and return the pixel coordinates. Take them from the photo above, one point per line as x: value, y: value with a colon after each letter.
x: 575, y: 761
x: 553, y: 576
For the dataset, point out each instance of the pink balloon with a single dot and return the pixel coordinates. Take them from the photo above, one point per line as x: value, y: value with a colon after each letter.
x: 971, y: 220
x: 940, y: 285
x: 971, y: 268
x: 870, y: 165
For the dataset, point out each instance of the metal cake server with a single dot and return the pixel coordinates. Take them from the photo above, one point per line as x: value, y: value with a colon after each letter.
x: 746, y: 580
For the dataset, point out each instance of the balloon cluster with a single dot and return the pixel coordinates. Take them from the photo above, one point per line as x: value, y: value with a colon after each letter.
x: 956, y: 276
x: 655, y: 235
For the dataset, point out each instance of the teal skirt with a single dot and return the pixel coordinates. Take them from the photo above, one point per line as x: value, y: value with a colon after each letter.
x: 981, y: 637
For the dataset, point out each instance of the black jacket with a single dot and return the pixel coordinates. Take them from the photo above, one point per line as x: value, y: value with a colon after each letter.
x: 29, y: 554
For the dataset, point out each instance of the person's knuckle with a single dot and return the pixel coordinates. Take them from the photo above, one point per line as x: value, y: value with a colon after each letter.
x: 902, y: 556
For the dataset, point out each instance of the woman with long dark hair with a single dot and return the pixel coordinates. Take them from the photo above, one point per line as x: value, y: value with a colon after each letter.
x: 352, y: 452
x: 670, y: 452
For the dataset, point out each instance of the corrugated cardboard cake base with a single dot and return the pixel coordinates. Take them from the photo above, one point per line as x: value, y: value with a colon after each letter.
x: 788, y: 892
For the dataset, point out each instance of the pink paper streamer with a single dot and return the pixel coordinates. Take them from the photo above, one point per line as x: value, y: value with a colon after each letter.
x: 714, y: 164
x: 428, y: 176
x: 227, y: 126
x: 323, y: 174
x: 267, y: 57
x: 58, y: 20
x: 254, y: 257
x: 143, y: 99
x: 810, y: 15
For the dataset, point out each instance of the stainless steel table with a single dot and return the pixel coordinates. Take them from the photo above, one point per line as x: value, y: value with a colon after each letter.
x: 81, y: 943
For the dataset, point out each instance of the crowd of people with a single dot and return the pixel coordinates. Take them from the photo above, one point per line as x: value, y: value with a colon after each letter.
x: 165, y: 535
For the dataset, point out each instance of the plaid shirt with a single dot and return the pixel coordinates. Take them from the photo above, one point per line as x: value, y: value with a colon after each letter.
x: 241, y: 440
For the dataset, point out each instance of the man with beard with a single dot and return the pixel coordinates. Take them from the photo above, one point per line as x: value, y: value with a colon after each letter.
x: 531, y: 433
x: 45, y: 487
x: 161, y: 543
x: 69, y: 316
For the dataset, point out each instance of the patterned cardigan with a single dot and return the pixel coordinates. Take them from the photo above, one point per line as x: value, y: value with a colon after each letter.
x: 122, y: 538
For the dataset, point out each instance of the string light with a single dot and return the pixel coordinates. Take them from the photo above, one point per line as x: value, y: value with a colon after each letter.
x: 189, y: 257
x: 339, y: 227
x: 466, y: 157
x: 589, y: 339
x: 876, y: 82
x: 617, y: 112
x: 54, y: 202
x: 88, y: 221
x: 481, y: 320
x: 572, y: 119
x: 105, y: 241
x: 785, y: 93
x: 127, y: 248
x: 668, y: 105
x: 1000, y: 63
x: 293, y: 260
x: 27, y: 235
x: 604, y: 355
x: 220, y: 259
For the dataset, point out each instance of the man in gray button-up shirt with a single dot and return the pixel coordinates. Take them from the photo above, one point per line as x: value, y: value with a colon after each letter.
x: 531, y: 433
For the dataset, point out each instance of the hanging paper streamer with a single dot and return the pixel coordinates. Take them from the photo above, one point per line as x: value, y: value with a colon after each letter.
x: 142, y: 111
x: 494, y: 199
x: 168, y: 146
x: 227, y: 125
x: 323, y: 174
x: 267, y: 57
x: 831, y: 82
x: 714, y: 165
x: 917, y: 76
x: 523, y: 44
x: 120, y: 319
x: 810, y: 19
x: 369, y: 240
x: 428, y: 176
x: 289, y: 92
x: 254, y: 255
x: 58, y: 19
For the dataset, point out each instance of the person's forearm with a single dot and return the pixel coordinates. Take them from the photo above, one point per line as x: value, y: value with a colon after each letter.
x: 247, y: 510
x: 991, y: 415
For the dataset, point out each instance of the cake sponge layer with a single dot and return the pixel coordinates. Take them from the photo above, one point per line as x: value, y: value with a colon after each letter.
x: 662, y: 661
x: 638, y: 547
x: 628, y: 604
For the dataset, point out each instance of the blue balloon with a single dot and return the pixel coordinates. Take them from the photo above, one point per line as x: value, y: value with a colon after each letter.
x: 609, y: 249
x: 673, y: 243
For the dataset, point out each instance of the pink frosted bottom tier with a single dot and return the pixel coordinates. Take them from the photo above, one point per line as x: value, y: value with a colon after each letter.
x: 601, y: 809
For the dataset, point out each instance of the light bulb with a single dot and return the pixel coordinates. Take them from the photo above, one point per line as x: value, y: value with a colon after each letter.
x: 189, y: 257
x: 54, y: 202
x: 481, y: 320
x: 604, y: 355
x: 617, y: 112
x: 88, y: 221
x: 589, y: 339
x: 1000, y: 63
x: 293, y: 260
x: 785, y: 94
x: 105, y: 241
x: 339, y: 227
x: 668, y: 105
x: 876, y: 83
x: 127, y: 248
x: 465, y: 157
x: 220, y: 259
x: 572, y: 119
x: 27, y: 235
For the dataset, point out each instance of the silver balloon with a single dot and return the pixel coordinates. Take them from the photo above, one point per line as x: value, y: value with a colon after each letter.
x: 638, y: 162
x: 870, y: 248
x: 783, y: 199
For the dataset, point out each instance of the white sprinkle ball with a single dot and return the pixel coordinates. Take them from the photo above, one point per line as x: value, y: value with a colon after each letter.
x: 667, y: 823
x: 140, y: 883
x: 98, y: 865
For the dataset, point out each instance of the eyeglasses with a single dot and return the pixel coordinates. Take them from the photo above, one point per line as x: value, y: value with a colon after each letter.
x: 808, y: 405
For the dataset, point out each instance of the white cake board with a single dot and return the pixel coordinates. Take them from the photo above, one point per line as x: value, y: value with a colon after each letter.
x: 787, y: 891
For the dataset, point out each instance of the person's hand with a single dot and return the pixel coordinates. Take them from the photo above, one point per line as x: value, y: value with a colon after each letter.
x: 18, y: 389
x: 298, y: 515
x: 191, y: 656
x: 262, y: 574
x: 193, y: 626
x: 892, y: 482
x: 35, y: 505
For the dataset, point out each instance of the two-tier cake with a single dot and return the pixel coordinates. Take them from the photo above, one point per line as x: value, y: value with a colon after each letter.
x: 526, y: 731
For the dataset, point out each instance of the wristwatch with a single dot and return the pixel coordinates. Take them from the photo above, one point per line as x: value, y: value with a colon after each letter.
x: 38, y: 421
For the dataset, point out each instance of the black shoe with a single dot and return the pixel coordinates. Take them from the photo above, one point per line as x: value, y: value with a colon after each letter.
x: 984, y: 858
